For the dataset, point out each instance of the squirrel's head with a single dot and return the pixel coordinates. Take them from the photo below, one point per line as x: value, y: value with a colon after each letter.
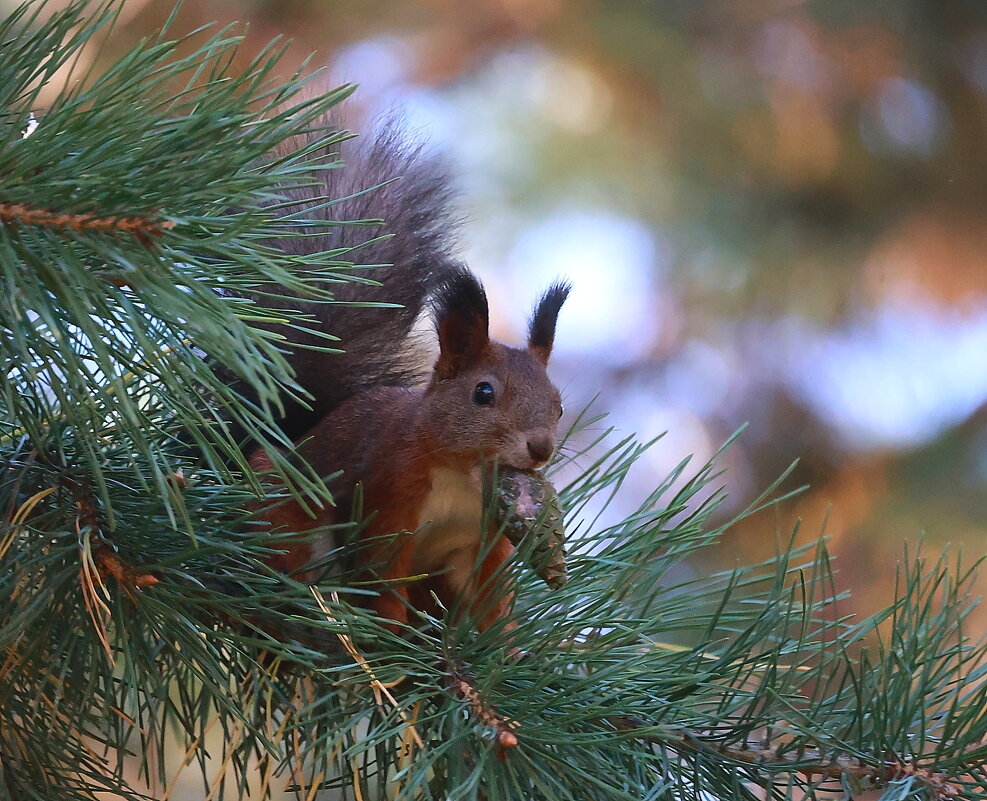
x: 487, y: 400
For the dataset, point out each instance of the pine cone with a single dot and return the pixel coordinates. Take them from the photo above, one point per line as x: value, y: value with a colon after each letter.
x: 526, y: 505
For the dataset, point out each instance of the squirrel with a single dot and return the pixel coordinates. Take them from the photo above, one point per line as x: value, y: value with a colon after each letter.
x: 416, y: 453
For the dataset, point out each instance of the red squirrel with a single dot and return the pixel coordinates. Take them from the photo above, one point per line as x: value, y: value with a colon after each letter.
x: 417, y: 452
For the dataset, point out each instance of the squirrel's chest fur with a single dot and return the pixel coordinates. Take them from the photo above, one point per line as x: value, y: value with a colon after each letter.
x: 450, y: 519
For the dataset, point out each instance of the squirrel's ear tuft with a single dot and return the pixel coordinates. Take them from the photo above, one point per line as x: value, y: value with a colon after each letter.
x: 462, y: 321
x: 541, y: 328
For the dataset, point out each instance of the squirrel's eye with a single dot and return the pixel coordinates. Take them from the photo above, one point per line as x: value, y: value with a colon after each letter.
x: 483, y: 395
x: 561, y: 411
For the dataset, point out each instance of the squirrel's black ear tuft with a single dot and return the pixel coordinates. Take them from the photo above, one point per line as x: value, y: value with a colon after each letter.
x: 462, y: 320
x: 541, y: 328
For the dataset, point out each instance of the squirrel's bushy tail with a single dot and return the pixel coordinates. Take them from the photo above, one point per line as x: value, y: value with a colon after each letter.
x: 383, y: 177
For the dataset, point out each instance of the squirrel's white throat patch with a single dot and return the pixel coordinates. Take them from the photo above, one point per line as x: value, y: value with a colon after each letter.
x: 450, y: 518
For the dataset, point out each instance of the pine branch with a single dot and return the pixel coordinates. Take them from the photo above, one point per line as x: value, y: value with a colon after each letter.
x: 107, y: 171
x: 768, y: 762
x: 143, y: 228
x: 588, y: 662
x: 506, y: 728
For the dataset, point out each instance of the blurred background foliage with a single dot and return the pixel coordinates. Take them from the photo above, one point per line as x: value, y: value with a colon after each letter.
x: 773, y: 212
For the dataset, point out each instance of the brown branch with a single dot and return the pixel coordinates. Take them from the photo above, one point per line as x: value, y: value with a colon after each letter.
x: 110, y: 564
x: 141, y: 227
x: 506, y: 738
x: 808, y: 763
x: 89, y: 516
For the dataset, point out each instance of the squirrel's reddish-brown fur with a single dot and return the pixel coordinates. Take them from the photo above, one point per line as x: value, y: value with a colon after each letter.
x: 418, y: 453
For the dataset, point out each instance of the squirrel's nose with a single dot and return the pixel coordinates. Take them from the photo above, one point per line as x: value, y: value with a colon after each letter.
x: 540, y: 448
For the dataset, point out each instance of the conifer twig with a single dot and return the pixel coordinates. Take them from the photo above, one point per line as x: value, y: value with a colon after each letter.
x: 808, y: 763
x: 142, y: 228
x: 506, y: 738
x: 105, y: 560
x: 111, y: 564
